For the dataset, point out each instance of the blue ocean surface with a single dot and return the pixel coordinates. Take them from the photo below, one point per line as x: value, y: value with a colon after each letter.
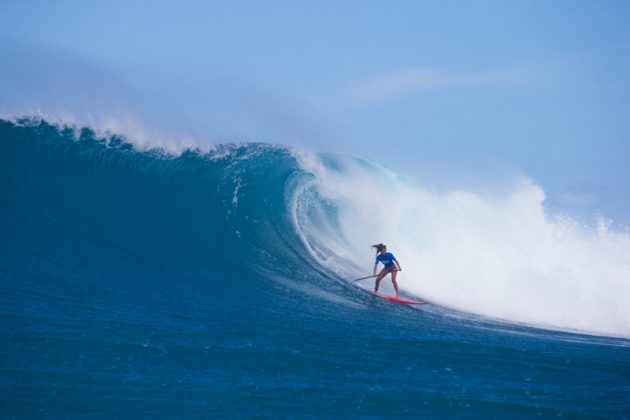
x: 137, y: 283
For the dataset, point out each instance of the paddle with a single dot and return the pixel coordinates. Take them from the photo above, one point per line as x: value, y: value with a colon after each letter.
x: 362, y: 278
x: 368, y: 277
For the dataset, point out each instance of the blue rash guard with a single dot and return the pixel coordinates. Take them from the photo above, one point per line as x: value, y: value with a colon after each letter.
x: 387, y: 259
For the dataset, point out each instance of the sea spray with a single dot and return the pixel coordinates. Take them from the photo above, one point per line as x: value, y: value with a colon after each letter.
x: 504, y: 256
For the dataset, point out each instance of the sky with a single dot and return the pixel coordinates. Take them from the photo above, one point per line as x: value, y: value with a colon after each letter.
x: 451, y: 94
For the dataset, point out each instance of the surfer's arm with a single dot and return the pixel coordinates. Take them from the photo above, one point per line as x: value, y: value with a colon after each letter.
x: 375, y: 265
x: 398, y: 264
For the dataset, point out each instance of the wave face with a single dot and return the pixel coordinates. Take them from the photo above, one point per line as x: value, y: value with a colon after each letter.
x: 216, y: 283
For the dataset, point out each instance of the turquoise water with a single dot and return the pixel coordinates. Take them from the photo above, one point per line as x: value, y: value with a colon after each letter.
x: 138, y: 284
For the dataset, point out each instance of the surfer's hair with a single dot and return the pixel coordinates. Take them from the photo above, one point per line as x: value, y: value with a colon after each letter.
x: 379, y: 247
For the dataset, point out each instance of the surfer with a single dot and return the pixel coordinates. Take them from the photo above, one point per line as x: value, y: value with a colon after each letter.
x: 388, y: 260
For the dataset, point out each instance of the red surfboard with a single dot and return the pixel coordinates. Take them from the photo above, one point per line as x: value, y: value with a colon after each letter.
x: 399, y: 300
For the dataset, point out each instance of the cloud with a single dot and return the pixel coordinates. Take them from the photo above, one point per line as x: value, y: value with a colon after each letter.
x: 394, y: 85
x: 584, y: 195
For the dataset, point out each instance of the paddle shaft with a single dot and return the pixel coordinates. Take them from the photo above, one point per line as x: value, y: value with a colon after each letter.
x: 368, y: 277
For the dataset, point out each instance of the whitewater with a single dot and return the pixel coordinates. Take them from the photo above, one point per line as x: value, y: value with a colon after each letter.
x: 505, y: 256
x: 143, y: 280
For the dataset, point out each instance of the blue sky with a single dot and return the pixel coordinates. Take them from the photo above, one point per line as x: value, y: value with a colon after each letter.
x: 455, y: 94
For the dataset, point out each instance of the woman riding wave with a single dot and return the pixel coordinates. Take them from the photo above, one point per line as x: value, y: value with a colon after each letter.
x: 391, y: 266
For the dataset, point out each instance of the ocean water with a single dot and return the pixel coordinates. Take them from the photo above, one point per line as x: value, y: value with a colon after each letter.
x: 140, y: 283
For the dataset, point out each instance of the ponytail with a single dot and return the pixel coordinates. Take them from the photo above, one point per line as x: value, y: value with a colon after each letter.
x: 379, y: 247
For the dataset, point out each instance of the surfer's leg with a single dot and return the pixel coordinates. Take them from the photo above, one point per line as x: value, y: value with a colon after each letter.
x: 394, y: 273
x: 379, y: 278
x: 378, y: 282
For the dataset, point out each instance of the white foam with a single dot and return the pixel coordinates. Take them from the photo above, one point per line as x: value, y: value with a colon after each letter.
x: 502, y: 256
